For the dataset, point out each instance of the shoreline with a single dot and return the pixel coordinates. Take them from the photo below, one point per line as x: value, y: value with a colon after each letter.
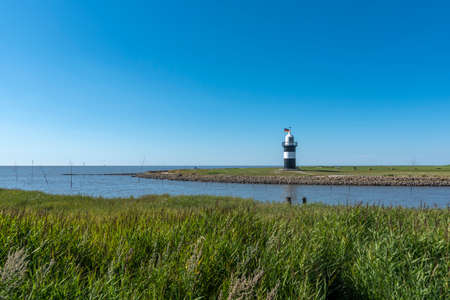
x: 357, y: 180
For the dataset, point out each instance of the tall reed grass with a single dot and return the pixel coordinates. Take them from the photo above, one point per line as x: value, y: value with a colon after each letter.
x: 199, y: 247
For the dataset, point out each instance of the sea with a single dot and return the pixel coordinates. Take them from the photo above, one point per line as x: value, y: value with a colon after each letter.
x: 91, y: 181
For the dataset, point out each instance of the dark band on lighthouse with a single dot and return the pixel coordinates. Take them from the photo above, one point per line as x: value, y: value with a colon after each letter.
x: 289, y: 146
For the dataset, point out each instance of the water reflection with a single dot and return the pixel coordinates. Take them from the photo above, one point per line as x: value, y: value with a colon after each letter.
x: 50, y: 180
x: 290, y: 191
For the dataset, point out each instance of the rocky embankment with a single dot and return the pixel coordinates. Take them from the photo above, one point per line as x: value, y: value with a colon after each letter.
x: 306, y: 180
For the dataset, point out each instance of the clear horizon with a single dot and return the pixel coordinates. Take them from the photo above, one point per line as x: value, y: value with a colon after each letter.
x: 214, y: 84
x: 262, y: 166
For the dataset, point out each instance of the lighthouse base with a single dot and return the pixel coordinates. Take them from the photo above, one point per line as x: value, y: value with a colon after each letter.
x: 289, y: 164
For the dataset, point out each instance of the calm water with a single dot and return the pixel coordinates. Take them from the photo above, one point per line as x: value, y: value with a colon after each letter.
x: 51, y: 180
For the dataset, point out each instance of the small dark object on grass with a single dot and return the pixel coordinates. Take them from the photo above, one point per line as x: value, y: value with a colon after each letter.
x: 289, y: 200
x: 304, y: 200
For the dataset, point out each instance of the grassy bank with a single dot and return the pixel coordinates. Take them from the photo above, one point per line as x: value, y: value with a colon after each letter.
x: 196, y: 247
x: 329, y: 170
x: 357, y: 175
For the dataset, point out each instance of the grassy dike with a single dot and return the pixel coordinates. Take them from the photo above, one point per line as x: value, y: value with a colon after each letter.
x: 202, y: 247
x: 320, y: 175
x: 443, y: 171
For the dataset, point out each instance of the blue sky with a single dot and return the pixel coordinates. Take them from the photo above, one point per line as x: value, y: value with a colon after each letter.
x: 206, y: 83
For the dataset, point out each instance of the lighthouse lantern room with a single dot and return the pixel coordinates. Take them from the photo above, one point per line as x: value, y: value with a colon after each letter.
x: 289, y: 146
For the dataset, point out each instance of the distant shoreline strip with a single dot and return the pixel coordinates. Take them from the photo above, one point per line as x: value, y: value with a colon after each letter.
x: 101, y: 174
x: 303, y: 180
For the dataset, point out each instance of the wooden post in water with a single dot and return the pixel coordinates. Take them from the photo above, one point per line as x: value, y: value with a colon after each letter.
x: 15, y: 171
x: 43, y: 174
x: 289, y: 200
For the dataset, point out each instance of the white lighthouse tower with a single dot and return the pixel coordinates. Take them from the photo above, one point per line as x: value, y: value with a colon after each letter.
x: 289, y: 146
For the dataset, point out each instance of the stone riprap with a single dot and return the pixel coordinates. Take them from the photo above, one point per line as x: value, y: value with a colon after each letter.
x: 303, y: 180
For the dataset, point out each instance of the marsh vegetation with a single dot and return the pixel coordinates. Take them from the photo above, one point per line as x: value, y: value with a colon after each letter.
x: 200, y: 247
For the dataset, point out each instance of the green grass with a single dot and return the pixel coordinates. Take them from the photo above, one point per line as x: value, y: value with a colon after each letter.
x: 329, y: 170
x: 203, y: 247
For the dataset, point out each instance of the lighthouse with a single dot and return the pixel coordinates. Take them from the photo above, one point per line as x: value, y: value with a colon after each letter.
x: 289, y: 150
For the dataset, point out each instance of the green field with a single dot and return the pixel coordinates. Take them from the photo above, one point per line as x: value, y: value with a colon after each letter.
x: 204, y: 247
x: 329, y: 170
